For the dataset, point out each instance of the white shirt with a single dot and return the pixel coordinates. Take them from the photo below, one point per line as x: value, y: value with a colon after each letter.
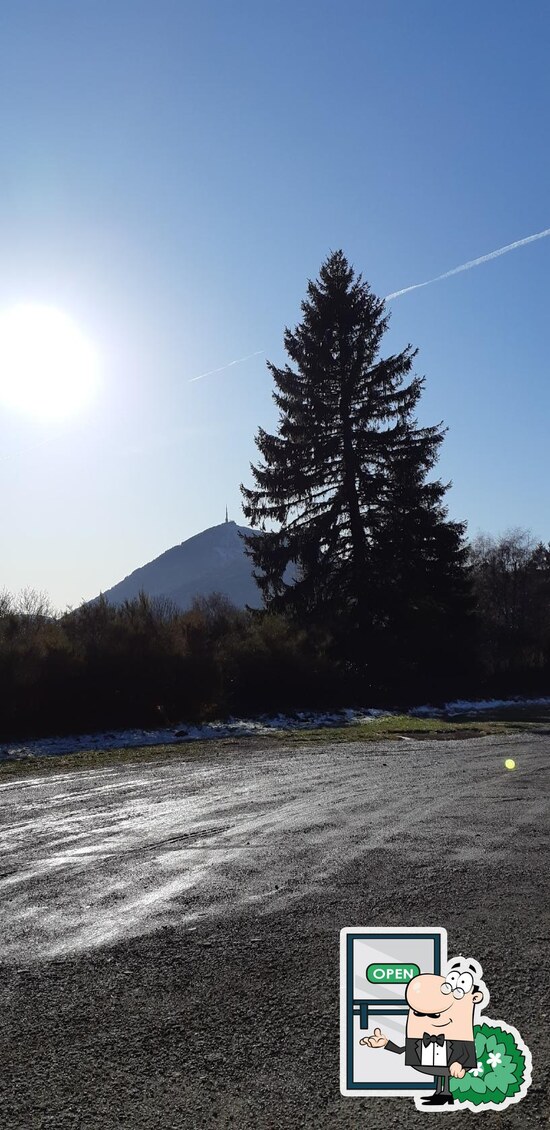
x: 433, y: 1055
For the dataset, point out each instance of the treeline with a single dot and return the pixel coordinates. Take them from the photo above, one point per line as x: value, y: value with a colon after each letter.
x: 510, y: 579
x: 148, y: 664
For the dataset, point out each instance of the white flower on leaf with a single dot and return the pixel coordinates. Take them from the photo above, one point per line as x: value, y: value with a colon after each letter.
x: 477, y: 1070
x: 494, y: 1059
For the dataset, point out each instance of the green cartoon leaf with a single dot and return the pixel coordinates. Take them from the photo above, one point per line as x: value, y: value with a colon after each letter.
x: 491, y: 1081
x: 505, y: 1073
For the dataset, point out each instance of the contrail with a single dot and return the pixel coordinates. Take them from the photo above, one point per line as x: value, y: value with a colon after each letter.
x: 223, y: 367
x: 472, y: 263
x: 416, y: 286
x: 28, y: 450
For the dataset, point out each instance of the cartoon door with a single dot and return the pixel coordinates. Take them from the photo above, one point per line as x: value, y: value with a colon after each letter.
x: 375, y: 968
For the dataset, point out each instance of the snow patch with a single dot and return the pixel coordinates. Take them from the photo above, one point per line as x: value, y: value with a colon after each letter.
x: 233, y: 727
x: 466, y: 706
x: 242, y: 727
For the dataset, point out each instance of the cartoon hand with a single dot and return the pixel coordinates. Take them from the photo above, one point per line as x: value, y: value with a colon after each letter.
x: 457, y: 1071
x: 376, y: 1041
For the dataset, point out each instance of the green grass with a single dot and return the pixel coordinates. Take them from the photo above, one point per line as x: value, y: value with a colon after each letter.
x: 401, y: 725
x: 380, y: 729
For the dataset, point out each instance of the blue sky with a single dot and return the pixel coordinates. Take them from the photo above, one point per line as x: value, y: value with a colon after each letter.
x: 173, y: 173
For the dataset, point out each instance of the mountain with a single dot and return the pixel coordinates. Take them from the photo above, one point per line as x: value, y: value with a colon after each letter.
x: 212, y: 561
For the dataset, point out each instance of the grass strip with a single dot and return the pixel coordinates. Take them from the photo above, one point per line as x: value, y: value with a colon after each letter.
x: 395, y: 727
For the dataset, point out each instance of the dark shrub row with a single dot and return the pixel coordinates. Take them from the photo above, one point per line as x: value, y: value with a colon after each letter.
x: 147, y: 663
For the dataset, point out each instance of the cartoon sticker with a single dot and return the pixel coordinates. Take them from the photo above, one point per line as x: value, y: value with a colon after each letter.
x: 411, y: 1024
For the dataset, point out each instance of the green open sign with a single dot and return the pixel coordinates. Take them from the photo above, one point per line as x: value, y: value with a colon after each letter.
x: 384, y: 974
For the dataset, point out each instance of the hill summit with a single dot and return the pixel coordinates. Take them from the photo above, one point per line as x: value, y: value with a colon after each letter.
x: 212, y: 561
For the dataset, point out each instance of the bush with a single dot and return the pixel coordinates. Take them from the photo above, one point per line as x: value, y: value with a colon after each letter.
x: 272, y: 665
x: 502, y: 1068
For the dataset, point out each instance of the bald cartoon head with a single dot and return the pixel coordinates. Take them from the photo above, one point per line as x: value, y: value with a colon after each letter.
x: 443, y: 1005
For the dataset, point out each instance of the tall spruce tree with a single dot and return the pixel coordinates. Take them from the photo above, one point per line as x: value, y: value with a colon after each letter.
x: 345, y: 479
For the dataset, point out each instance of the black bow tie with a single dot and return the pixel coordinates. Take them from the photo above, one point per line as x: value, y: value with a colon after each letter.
x: 433, y: 1039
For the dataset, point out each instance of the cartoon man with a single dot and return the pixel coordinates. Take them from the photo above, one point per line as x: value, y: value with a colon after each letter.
x: 440, y: 1027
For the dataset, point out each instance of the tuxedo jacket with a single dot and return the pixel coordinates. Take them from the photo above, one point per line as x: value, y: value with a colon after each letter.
x: 457, y: 1051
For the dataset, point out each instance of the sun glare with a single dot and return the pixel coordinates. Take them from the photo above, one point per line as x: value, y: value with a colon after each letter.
x: 47, y: 367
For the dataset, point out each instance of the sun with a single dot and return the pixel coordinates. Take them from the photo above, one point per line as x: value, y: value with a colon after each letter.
x: 47, y: 366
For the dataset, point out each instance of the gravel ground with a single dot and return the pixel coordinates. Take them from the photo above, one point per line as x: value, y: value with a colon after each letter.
x: 170, y: 932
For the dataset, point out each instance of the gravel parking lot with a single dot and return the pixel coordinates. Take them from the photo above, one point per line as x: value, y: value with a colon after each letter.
x: 169, y: 932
